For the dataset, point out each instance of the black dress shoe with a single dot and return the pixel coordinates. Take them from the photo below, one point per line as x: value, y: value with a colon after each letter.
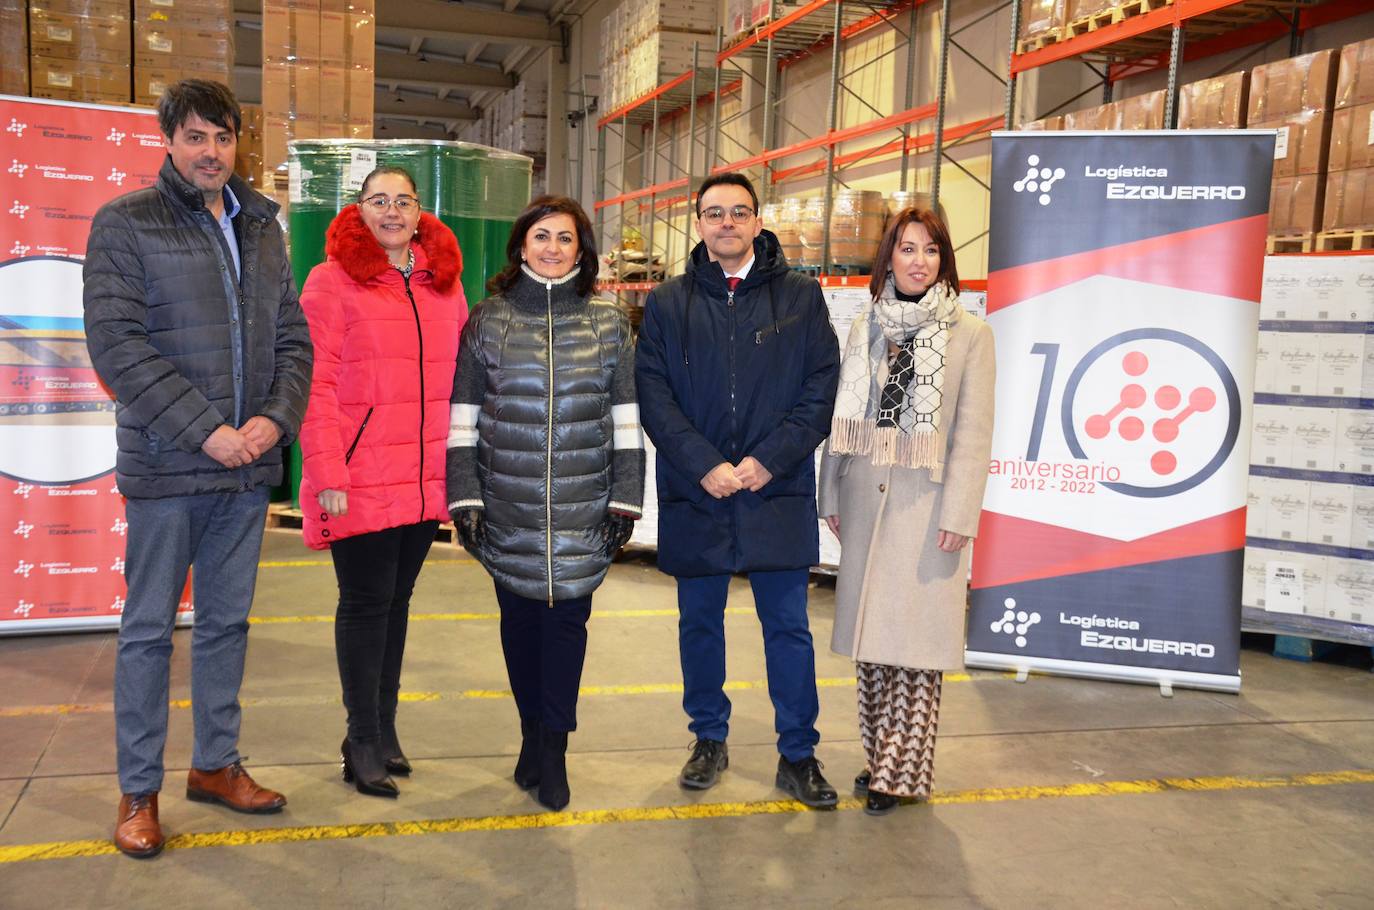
x: 364, y: 768
x: 861, y: 783
x: 527, y: 765
x: 396, y: 761
x: 881, y: 803
x: 803, y: 779
x: 709, y: 758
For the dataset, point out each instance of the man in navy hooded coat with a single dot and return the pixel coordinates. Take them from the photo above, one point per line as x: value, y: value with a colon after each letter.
x: 736, y: 369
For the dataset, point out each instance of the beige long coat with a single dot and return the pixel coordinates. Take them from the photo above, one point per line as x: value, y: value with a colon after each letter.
x: 900, y: 599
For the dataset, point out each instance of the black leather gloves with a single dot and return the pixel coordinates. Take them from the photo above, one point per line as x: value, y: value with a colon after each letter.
x: 471, y: 527
x: 617, y: 529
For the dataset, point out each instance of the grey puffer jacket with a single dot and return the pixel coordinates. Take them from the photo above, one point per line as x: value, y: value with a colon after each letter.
x: 545, y: 435
x: 186, y: 347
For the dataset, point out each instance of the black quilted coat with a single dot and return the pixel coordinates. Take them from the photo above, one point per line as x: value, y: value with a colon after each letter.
x: 185, y: 346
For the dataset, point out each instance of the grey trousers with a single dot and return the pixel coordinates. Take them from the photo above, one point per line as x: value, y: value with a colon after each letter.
x: 219, y: 535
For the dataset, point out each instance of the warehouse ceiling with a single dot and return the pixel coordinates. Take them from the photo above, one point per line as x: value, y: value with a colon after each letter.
x: 438, y: 61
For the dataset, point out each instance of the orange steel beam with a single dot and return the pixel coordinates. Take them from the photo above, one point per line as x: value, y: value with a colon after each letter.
x: 770, y: 29
x: 833, y: 138
x: 913, y: 144
x: 644, y: 99
x: 654, y: 190
x: 1177, y: 13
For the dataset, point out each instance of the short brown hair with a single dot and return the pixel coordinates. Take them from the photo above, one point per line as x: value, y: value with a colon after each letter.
x: 935, y: 225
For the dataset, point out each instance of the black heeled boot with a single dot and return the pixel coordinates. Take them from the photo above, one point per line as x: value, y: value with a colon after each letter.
x: 527, y: 765
x: 553, y: 769
x: 364, y: 768
x: 396, y: 761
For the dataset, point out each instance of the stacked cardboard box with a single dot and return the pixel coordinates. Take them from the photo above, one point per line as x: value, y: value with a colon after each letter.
x: 79, y: 50
x: 1103, y: 117
x: 1141, y: 112
x: 14, y: 47
x: 1214, y: 104
x: 1295, y: 96
x: 318, y: 72
x: 249, y: 165
x: 181, y: 39
x: 1041, y: 18
x: 645, y: 43
x: 1350, y: 177
x: 519, y: 119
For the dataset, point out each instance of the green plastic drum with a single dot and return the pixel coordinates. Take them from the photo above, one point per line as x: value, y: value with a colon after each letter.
x: 477, y: 191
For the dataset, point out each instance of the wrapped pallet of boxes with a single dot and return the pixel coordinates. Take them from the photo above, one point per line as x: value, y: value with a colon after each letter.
x: 79, y: 50
x: 1349, y: 202
x: 1295, y: 96
x: 14, y: 47
x: 360, y: 59
x: 1041, y: 20
x: 1141, y: 112
x: 1103, y: 117
x: 181, y: 39
x: 1078, y: 13
x: 1218, y: 103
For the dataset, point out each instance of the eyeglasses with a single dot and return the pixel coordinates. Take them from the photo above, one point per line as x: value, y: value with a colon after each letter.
x: 380, y: 203
x: 716, y: 214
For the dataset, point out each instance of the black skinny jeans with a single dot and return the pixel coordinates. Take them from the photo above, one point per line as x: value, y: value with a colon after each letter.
x: 376, y: 574
x: 545, y: 647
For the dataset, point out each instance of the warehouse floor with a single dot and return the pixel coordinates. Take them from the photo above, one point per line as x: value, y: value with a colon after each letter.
x: 1054, y: 793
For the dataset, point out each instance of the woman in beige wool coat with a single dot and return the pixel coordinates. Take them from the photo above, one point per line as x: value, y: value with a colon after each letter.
x: 902, y: 487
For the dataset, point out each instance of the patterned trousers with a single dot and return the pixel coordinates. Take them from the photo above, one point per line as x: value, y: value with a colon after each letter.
x: 898, y: 712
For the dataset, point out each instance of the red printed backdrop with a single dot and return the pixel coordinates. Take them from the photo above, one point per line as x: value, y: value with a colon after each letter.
x: 61, y: 517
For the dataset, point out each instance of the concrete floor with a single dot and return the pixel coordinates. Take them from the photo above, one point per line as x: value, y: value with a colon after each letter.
x: 1099, y: 832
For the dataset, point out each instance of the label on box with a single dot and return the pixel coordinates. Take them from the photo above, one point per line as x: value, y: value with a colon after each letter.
x: 1351, y: 591
x: 60, y: 80
x: 1281, y: 152
x: 1283, y: 587
x: 1369, y: 139
x: 159, y: 44
x: 1355, y: 442
x: 166, y: 3
x: 1314, y: 439
x: 157, y: 88
x: 1286, y: 512
x: 1328, y: 514
x: 1256, y: 507
x: 294, y: 190
x: 1266, y: 355
x: 1296, y: 373
x: 360, y: 164
x: 1362, y: 518
x: 1252, y: 583
x: 1314, y: 571
x: 1271, y: 440
x: 1340, y: 365
x: 59, y: 33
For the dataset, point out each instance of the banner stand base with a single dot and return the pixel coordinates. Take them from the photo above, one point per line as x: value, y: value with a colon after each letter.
x: 1166, y: 680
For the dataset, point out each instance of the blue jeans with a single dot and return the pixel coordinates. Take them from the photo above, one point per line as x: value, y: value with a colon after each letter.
x: 780, y: 601
x: 219, y: 535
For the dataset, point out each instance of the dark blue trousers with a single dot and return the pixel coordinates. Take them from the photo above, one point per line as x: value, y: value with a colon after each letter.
x: 545, y: 647
x: 780, y: 601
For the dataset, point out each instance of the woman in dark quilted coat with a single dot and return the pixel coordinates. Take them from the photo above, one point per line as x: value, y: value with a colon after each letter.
x: 545, y: 466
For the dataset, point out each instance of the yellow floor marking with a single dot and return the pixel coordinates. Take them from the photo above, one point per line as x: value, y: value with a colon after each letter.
x: 19, y: 853
x: 467, y: 617
x: 299, y: 701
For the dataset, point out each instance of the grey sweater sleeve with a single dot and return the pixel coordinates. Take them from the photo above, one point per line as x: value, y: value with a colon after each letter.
x: 469, y: 386
x: 627, y: 456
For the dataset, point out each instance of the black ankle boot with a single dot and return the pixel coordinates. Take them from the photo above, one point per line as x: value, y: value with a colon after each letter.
x: 396, y: 761
x: 553, y: 769
x: 364, y: 768
x: 527, y: 765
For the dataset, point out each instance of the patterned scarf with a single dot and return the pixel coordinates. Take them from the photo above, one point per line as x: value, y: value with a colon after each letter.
x: 898, y: 423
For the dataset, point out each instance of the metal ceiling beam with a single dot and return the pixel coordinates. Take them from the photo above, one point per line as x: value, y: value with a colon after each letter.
x: 391, y: 105
x: 438, y: 18
x: 400, y: 67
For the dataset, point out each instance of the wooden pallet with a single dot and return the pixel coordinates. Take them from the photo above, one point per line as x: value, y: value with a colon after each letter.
x: 1290, y: 243
x: 1036, y: 42
x: 1119, y: 13
x: 283, y: 515
x: 1352, y: 241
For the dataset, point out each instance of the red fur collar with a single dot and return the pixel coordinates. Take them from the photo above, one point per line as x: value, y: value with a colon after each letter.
x: 351, y: 244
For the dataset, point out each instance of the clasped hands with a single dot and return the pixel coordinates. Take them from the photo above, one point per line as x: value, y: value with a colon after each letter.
x: 236, y: 448
x: 727, y: 479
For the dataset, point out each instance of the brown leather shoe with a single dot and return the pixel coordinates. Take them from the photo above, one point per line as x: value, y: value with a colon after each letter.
x: 137, y: 832
x: 232, y: 787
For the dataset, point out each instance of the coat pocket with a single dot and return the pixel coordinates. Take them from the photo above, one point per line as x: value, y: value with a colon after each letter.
x: 348, y: 456
x: 764, y: 333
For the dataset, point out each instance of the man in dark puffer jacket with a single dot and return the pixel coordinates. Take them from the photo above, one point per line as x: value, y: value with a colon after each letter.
x: 192, y: 319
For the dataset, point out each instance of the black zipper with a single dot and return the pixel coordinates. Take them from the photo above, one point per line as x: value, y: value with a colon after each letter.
x: 758, y: 336
x: 348, y: 456
x: 420, y: 336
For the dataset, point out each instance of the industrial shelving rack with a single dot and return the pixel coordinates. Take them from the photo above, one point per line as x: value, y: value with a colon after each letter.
x: 658, y: 195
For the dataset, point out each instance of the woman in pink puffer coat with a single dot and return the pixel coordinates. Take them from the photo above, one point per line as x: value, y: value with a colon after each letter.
x: 385, y: 312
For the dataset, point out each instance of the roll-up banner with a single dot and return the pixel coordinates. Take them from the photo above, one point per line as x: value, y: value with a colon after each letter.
x: 1124, y: 282
x: 61, y: 518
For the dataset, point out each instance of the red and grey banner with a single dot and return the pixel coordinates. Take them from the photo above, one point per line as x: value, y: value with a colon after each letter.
x: 61, y: 517
x: 1123, y: 289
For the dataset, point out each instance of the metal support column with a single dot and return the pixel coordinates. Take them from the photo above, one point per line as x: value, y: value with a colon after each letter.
x: 769, y: 84
x: 624, y: 181
x: 653, y: 181
x: 1171, y: 91
x: 715, y: 106
x: 941, y: 85
x: 911, y: 88
x: 691, y: 152
x: 599, y: 182
x: 1010, y: 122
x: 832, y: 125
x: 1295, y: 34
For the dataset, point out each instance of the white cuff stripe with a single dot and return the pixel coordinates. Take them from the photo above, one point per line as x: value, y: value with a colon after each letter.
x: 466, y: 504
x: 459, y: 437
x: 626, y: 437
x: 625, y: 507
x: 462, y: 425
